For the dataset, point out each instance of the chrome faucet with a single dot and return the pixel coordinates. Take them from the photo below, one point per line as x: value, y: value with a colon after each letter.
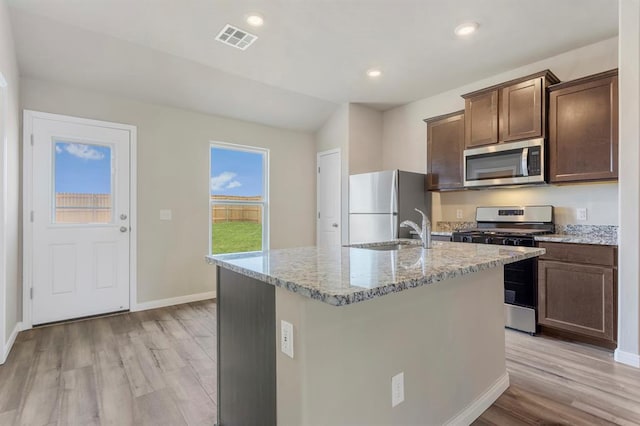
x: 424, y: 232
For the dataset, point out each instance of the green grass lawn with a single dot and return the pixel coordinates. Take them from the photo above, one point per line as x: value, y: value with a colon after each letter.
x: 234, y: 237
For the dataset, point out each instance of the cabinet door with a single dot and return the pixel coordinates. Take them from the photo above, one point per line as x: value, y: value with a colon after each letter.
x: 445, y: 143
x: 583, y: 131
x: 521, y: 116
x: 576, y: 298
x: 481, y: 119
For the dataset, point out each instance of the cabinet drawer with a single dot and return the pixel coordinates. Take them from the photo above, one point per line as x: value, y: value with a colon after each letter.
x: 579, y: 253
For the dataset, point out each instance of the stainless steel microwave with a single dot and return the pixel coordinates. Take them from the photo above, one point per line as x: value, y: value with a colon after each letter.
x: 510, y: 163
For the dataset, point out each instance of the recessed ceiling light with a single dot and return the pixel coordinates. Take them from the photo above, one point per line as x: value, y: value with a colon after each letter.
x: 255, y: 20
x: 466, y: 29
x: 373, y: 73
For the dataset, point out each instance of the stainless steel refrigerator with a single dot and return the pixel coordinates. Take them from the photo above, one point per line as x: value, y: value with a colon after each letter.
x: 380, y: 201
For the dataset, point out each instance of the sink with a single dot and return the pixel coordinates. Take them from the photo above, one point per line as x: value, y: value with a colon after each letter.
x: 386, y: 247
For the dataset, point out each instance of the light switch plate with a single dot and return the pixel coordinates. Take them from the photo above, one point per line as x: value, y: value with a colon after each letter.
x: 286, y: 338
x: 165, y: 214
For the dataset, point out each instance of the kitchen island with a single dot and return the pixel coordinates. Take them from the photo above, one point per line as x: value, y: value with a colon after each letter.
x: 433, y: 319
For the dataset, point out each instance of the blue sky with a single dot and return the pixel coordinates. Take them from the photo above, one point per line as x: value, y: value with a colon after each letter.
x: 82, y: 168
x: 235, y: 172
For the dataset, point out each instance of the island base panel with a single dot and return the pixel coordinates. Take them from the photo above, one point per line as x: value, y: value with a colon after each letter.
x: 246, y: 350
x: 447, y: 338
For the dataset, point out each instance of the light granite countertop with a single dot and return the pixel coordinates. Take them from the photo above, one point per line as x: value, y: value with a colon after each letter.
x: 606, y: 235
x: 347, y: 275
x: 604, y: 240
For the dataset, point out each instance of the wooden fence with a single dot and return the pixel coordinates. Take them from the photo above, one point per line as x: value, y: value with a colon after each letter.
x: 83, y: 208
x: 96, y: 208
x: 234, y: 212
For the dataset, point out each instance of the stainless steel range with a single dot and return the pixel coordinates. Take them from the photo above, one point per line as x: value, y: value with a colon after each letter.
x: 514, y: 226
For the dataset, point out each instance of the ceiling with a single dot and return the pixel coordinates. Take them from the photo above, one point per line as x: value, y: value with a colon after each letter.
x: 311, y: 55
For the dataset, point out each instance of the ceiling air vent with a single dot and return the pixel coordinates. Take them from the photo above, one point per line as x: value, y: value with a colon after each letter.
x: 236, y: 37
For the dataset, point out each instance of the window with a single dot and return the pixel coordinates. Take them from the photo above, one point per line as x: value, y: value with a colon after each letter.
x: 238, y: 194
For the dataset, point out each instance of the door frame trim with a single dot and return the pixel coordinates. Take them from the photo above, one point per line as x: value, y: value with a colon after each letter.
x: 4, y: 140
x: 318, y: 155
x: 27, y: 204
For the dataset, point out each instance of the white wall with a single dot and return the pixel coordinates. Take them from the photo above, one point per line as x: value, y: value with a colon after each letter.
x: 334, y: 134
x: 629, y: 133
x: 365, y: 139
x: 173, y: 173
x: 10, y: 275
x: 404, y: 144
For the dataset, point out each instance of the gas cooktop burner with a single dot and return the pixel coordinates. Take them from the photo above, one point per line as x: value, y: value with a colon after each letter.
x: 506, y: 231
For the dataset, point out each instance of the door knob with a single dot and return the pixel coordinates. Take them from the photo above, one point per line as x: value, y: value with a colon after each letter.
x: 123, y: 229
x: 335, y: 225
x: 123, y: 216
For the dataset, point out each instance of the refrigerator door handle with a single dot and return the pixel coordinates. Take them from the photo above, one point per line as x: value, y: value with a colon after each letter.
x: 394, y: 226
x: 393, y: 207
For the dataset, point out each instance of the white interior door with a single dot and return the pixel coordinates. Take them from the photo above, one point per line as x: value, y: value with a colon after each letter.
x: 329, y: 205
x: 80, y: 219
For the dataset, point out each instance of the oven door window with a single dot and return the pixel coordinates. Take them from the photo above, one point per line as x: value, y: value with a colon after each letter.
x: 496, y: 165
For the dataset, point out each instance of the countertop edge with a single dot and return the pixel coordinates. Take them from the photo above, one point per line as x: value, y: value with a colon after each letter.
x: 577, y: 239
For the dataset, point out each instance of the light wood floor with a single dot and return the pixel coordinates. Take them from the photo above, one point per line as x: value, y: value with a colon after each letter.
x: 555, y: 382
x: 158, y: 368
x: 145, y: 368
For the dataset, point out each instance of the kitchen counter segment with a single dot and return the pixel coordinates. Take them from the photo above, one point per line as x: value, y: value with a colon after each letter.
x: 347, y: 275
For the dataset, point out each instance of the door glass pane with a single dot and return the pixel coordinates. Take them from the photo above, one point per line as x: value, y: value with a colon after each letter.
x: 83, y: 183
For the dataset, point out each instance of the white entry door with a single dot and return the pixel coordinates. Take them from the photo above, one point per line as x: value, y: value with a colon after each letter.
x: 80, y: 174
x: 328, y: 187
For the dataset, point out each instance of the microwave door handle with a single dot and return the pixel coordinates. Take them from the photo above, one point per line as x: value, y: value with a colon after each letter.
x: 524, y: 163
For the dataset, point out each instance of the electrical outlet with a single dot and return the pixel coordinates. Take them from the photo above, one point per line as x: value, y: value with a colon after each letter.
x: 459, y: 214
x: 581, y: 214
x: 397, y: 389
x: 286, y: 338
x: 165, y: 215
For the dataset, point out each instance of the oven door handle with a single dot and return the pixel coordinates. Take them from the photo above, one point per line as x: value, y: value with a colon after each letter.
x: 524, y: 163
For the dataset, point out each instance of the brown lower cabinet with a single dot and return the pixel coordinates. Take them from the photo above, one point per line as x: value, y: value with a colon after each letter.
x: 577, y: 292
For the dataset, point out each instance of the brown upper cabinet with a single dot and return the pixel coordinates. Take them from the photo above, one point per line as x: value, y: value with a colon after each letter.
x: 507, y: 112
x: 445, y: 143
x: 481, y: 119
x: 583, y: 129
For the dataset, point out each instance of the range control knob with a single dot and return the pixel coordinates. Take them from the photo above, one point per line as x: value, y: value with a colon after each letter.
x: 488, y: 240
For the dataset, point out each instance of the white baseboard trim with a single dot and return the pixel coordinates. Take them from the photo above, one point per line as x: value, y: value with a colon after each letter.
x: 480, y: 404
x: 7, y: 346
x: 627, y: 358
x: 173, y: 301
